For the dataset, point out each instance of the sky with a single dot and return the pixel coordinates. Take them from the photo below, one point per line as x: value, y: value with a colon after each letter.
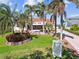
x: 70, y: 7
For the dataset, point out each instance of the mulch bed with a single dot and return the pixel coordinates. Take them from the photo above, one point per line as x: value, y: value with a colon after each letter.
x: 18, y: 43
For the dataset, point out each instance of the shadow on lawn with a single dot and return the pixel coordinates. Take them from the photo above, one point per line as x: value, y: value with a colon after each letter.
x: 35, y: 36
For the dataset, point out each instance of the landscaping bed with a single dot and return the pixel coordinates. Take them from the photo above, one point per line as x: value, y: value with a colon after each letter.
x: 18, y: 38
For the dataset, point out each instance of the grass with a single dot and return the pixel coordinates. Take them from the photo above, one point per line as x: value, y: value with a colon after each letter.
x: 38, y: 42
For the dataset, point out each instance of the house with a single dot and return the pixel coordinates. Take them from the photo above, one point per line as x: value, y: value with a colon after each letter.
x: 37, y: 24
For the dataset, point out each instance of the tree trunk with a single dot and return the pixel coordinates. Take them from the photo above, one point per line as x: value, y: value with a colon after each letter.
x: 31, y: 22
x: 26, y: 26
x: 43, y: 26
x: 13, y: 24
x: 13, y: 29
x: 51, y: 17
x: 51, y: 20
x: 55, y: 18
x: 61, y: 34
x: 23, y: 29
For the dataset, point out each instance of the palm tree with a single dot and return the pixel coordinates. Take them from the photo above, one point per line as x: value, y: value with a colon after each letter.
x: 57, y: 8
x: 29, y: 10
x: 50, y: 12
x: 52, y: 7
x: 22, y: 21
x: 5, y: 18
x: 27, y: 16
x: 40, y: 11
x: 48, y: 26
x: 14, y: 16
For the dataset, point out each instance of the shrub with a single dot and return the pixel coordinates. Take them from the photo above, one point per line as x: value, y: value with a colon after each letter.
x: 17, y: 37
x: 35, y: 55
x: 74, y: 32
x: 69, y: 54
x: 66, y: 54
x: 74, y: 27
x: 26, y: 35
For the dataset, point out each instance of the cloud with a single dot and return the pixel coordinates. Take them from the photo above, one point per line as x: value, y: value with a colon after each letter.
x: 10, y: 3
x: 75, y: 15
x: 4, y: 1
x: 40, y: 1
x: 66, y: 5
x: 30, y: 2
x: 66, y: 2
x: 17, y: 10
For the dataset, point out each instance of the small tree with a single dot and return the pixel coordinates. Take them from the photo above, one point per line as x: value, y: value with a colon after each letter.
x: 22, y: 24
x: 48, y: 26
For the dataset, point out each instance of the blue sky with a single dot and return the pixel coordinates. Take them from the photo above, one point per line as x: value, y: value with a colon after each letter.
x: 70, y: 8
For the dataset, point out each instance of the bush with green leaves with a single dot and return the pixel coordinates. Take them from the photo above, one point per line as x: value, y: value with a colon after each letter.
x: 67, y: 54
x: 74, y: 27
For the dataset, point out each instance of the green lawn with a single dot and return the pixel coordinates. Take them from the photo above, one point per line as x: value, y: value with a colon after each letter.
x: 38, y: 42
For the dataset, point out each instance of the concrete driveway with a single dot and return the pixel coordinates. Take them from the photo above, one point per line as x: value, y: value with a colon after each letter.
x: 73, y: 41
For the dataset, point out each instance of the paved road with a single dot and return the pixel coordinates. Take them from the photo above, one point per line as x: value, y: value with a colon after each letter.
x: 73, y: 41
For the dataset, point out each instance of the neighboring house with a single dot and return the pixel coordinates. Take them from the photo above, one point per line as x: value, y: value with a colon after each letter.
x: 18, y: 29
x: 37, y: 24
x: 71, y: 21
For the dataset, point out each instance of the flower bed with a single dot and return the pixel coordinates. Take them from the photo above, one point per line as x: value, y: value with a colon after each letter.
x: 18, y: 38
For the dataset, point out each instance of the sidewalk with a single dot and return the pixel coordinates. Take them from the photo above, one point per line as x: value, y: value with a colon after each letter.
x: 74, y: 42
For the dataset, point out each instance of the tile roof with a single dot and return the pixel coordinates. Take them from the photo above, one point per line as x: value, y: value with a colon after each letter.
x: 40, y: 20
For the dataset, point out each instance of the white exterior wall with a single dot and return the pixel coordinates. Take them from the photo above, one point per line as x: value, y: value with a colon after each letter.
x: 38, y: 23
